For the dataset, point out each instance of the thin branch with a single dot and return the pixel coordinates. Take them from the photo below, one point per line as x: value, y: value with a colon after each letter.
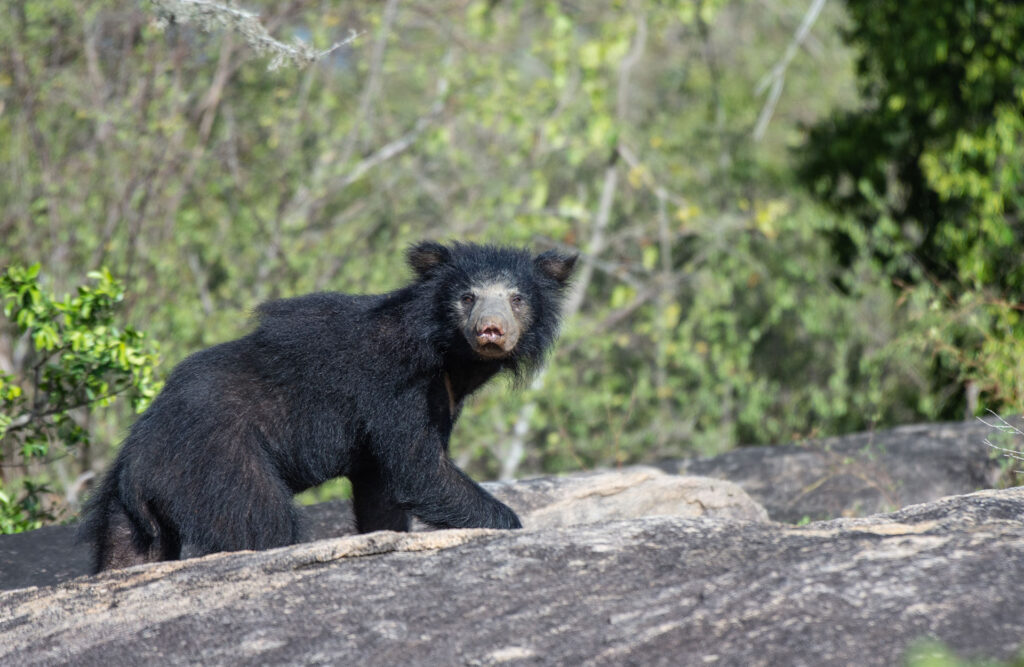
x: 319, y: 184
x: 211, y: 101
x: 629, y: 62
x: 1004, y: 426
x: 647, y: 178
x: 597, y: 241
x: 373, y: 80
x: 202, y: 288
x: 516, y: 449
x: 212, y: 15
x: 714, y: 71
x: 35, y: 462
x: 399, y: 145
x: 26, y: 418
x: 777, y: 76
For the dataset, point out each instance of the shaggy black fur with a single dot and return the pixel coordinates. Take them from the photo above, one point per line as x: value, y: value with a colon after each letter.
x: 327, y: 385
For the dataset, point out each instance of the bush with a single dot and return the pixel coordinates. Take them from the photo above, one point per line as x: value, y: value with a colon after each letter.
x: 75, y: 359
x: 930, y: 167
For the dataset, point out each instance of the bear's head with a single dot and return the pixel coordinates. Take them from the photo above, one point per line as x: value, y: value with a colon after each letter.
x: 503, y: 301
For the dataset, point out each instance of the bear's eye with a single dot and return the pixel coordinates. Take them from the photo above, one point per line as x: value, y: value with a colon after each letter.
x: 468, y: 299
x: 517, y: 299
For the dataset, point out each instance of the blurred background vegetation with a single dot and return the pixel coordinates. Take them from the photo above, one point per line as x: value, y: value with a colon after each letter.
x: 797, y: 217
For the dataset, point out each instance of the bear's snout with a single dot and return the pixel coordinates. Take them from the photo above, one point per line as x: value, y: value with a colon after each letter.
x: 491, y: 327
x: 494, y: 335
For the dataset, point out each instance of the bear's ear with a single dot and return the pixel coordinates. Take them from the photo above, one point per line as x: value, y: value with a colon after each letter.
x: 556, y: 265
x: 426, y: 257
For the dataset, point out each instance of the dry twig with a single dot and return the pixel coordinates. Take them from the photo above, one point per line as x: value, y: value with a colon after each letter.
x: 1004, y: 426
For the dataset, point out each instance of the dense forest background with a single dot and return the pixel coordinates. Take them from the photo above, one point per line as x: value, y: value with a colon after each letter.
x: 797, y: 217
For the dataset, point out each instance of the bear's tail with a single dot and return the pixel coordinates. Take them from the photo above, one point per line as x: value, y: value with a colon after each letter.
x: 117, y: 539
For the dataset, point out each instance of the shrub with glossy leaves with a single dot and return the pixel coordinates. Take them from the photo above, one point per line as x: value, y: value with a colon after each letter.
x: 74, y: 358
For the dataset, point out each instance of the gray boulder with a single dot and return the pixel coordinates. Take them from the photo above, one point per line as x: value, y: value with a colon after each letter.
x: 585, y: 497
x: 659, y: 590
x: 41, y: 557
x: 629, y: 493
x: 861, y: 474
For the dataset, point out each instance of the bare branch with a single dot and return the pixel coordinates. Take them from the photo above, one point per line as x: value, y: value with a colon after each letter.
x: 1005, y: 427
x: 777, y: 76
x: 211, y: 16
x: 320, y: 182
x: 401, y: 144
x: 516, y: 448
x: 373, y: 80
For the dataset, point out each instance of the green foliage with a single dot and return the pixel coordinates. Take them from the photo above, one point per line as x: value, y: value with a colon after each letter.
x: 710, y: 310
x: 339, y: 488
x: 932, y: 653
x: 931, y: 168
x: 713, y: 319
x: 982, y: 176
x: 27, y: 512
x: 758, y: 346
x: 77, y: 360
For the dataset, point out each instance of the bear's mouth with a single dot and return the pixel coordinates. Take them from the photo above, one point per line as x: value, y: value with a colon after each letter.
x: 491, y: 340
x: 490, y: 349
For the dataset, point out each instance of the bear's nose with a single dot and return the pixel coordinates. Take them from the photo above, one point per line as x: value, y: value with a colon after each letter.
x: 490, y: 332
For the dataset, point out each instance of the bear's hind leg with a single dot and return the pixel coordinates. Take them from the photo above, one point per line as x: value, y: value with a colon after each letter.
x: 375, y: 505
x: 253, y: 513
x: 123, y: 542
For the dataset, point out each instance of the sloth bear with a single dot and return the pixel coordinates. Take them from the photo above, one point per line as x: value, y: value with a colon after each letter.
x: 326, y: 385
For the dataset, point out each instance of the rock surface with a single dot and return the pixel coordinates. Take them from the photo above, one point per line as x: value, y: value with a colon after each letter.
x: 49, y: 555
x: 860, y: 474
x: 851, y: 475
x: 630, y: 493
x: 41, y: 557
x: 650, y: 591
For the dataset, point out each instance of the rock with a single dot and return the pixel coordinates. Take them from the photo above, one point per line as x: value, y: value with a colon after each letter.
x: 859, y: 474
x: 657, y: 590
x: 550, y: 502
x: 48, y: 556
x: 547, y: 502
x: 41, y: 557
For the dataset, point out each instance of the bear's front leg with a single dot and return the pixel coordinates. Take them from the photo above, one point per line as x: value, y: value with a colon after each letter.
x: 433, y: 489
x: 444, y: 496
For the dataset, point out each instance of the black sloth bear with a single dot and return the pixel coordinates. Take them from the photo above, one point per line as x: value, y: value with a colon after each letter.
x: 327, y: 385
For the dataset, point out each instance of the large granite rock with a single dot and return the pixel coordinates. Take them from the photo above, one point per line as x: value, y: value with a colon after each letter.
x: 851, y: 475
x: 629, y: 493
x: 662, y: 590
x: 50, y: 555
x: 860, y: 474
